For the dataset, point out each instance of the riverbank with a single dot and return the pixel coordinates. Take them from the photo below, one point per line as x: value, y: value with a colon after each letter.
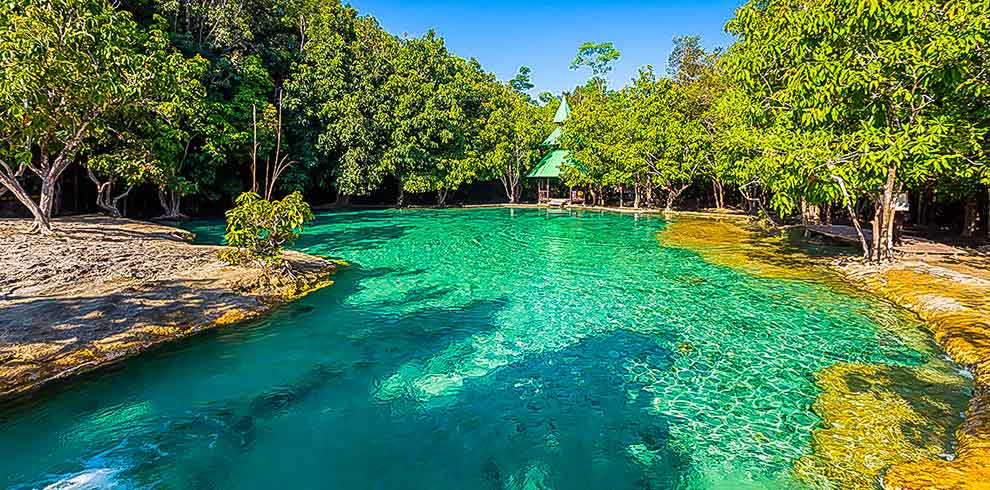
x: 104, y: 289
x: 952, y: 295
x: 874, y: 417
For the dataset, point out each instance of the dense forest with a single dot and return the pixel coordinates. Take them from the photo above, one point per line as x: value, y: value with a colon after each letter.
x: 204, y: 99
x: 823, y: 110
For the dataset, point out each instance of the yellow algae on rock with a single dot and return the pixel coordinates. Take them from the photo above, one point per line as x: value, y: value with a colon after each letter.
x: 731, y: 244
x: 874, y: 416
x: 956, y: 306
x: 881, y: 423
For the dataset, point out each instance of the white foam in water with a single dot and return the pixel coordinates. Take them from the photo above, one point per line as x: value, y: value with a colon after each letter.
x: 100, y: 472
x: 91, y: 479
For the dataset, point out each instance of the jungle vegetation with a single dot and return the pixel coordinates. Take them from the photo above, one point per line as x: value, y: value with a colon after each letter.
x: 822, y: 109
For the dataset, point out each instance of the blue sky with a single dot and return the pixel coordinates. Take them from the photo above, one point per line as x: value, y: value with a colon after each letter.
x: 544, y: 35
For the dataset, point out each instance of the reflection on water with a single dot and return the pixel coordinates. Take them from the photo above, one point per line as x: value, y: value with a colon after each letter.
x: 500, y: 349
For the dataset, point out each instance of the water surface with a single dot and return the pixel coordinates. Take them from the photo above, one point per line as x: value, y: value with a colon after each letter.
x: 481, y: 349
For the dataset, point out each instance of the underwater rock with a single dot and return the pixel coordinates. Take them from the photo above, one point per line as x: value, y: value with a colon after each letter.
x: 533, y: 476
x: 956, y: 307
x: 874, y: 416
x: 727, y: 242
x: 952, y: 297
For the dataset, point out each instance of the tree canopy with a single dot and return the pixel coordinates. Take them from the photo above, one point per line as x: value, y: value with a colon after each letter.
x: 825, y: 108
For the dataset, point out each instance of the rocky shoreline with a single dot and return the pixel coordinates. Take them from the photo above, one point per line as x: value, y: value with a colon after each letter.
x: 956, y: 306
x: 102, y: 290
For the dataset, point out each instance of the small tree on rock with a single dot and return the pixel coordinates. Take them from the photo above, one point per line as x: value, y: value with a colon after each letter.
x: 259, y: 229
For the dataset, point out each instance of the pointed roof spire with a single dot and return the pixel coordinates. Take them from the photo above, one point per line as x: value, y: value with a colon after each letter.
x: 563, y: 111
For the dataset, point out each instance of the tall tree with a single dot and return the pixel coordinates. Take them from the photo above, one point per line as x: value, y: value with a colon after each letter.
x: 873, y: 88
x: 522, y: 82
x: 68, y: 69
x: 509, y: 143
x: 597, y: 57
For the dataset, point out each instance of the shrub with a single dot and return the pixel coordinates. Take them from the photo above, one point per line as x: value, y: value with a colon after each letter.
x: 258, y: 229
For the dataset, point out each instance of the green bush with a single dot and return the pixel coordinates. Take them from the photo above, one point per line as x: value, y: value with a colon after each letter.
x: 259, y: 229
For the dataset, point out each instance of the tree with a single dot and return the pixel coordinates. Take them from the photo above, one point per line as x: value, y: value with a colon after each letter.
x: 644, y: 135
x: 522, y: 82
x: 597, y: 57
x: 435, y: 115
x: 150, y: 141
x: 689, y: 61
x: 874, y: 89
x: 334, y: 89
x: 510, y: 140
x: 130, y: 161
x: 69, y: 67
x: 259, y: 229
x: 599, y: 134
x: 673, y: 141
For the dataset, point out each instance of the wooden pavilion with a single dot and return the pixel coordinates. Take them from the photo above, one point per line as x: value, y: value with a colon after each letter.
x: 549, y: 166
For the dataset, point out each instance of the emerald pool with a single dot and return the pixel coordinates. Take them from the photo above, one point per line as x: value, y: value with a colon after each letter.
x: 473, y: 349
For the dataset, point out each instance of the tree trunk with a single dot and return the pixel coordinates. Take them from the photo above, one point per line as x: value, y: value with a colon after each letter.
x: 636, y: 193
x: 621, y: 195
x: 649, y: 193
x: 719, y: 193
x: 853, y: 216
x: 672, y: 195
x: 971, y: 220
x: 105, y: 199
x: 171, y: 203
x: 669, y: 201
x: 810, y: 214
x: 885, y: 210
x: 42, y: 222
x: 441, y: 197
x: 877, y: 224
x: 47, y: 202
x: 401, y: 200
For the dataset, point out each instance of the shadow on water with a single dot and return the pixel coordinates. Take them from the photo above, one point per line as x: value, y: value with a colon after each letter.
x: 333, y: 242
x: 342, y: 353
x: 563, y: 420
x: 343, y: 381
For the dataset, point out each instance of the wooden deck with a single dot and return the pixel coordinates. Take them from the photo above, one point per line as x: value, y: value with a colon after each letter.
x: 911, y: 244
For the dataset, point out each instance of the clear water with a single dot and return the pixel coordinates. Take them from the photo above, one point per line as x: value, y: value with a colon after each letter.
x: 481, y: 349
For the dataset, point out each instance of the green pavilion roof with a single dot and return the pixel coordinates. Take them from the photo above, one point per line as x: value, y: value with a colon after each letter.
x: 563, y: 111
x: 549, y: 167
x: 554, y: 136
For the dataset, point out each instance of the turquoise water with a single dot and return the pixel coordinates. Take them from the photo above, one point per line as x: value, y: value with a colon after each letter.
x: 481, y: 349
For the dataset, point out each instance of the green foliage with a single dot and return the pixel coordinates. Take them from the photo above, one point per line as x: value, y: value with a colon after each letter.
x: 522, y: 82
x: 259, y: 229
x: 73, y: 74
x: 874, y: 99
x: 833, y: 103
x: 597, y: 57
x: 646, y: 134
x: 508, y: 144
x: 688, y: 61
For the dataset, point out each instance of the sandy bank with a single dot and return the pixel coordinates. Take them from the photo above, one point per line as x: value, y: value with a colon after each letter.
x: 104, y: 289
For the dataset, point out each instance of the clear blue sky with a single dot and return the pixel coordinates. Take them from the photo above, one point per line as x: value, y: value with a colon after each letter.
x: 544, y: 35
